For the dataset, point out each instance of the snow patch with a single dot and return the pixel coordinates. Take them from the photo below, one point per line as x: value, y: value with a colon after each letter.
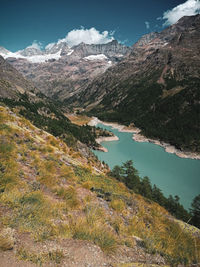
x: 33, y: 59
x: 96, y: 57
x: 70, y: 52
x: 44, y: 58
x: 10, y: 54
x: 165, y: 44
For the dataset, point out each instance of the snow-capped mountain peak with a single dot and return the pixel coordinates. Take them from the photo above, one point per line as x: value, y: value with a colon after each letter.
x: 55, y: 51
x: 31, y: 54
x: 35, y: 55
x: 55, y: 47
x: 29, y: 51
x: 4, y: 51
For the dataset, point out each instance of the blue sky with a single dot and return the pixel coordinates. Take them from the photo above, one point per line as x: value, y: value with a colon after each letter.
x: 25, y: 21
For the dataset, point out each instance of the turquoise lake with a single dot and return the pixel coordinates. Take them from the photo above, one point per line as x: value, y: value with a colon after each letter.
x: 173, y: 175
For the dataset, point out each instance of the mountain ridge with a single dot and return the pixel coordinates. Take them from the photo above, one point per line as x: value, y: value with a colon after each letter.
x: 109, y: 49
x: 156, y: 86
x: 64, y: 71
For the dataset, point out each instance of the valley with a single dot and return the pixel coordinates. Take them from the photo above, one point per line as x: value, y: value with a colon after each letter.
x: 100, y: 150
x: 170, y: 173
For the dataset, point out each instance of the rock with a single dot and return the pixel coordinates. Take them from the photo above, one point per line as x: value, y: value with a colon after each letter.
x: 7, y: 239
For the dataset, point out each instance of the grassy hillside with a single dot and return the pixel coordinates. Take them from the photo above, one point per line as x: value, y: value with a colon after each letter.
x: 17, y: 92
x: 48, y: 115
x: 58, y: 210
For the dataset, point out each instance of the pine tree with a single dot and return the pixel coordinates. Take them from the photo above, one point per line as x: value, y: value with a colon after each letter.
x: 195, y: 211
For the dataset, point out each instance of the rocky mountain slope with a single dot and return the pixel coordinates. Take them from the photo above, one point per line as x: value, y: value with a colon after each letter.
x: 12, y: 82
x: 156, y: 86
x: 56, y: 210
x: 60, y: 71
x: 20, y: 94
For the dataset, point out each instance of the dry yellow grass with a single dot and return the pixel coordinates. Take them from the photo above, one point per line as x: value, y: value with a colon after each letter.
x: 39, y: 185
x: 40, y: 258
x: 78, y: 119
x: 172, y: 91
x: 137, y: 264
x: 118, y: 205
x: 7, y: 239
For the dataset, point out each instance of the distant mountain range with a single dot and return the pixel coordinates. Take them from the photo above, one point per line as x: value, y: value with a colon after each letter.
x: 111, y: 50
x: 60, y: 71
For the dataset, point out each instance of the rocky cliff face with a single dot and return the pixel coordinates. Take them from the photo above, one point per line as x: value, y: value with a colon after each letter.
x: 112, y: 49
x: 156, y: 86
x: 60, y: 71
x: 12, y: 82
x: 17, y: 91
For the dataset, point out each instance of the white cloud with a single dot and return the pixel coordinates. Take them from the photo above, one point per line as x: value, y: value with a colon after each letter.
x: 88, y: 36
x: 147, y: 24
x: 36, y: 45
x: 189, y: 8
x: 77, y: 36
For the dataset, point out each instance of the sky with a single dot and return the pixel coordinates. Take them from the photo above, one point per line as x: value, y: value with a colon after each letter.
x: 38, y: 23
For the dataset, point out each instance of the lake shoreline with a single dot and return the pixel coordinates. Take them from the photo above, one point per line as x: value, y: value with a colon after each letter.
x: 106, y: 139
x: 93, y: 122
x: 141, y: 138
